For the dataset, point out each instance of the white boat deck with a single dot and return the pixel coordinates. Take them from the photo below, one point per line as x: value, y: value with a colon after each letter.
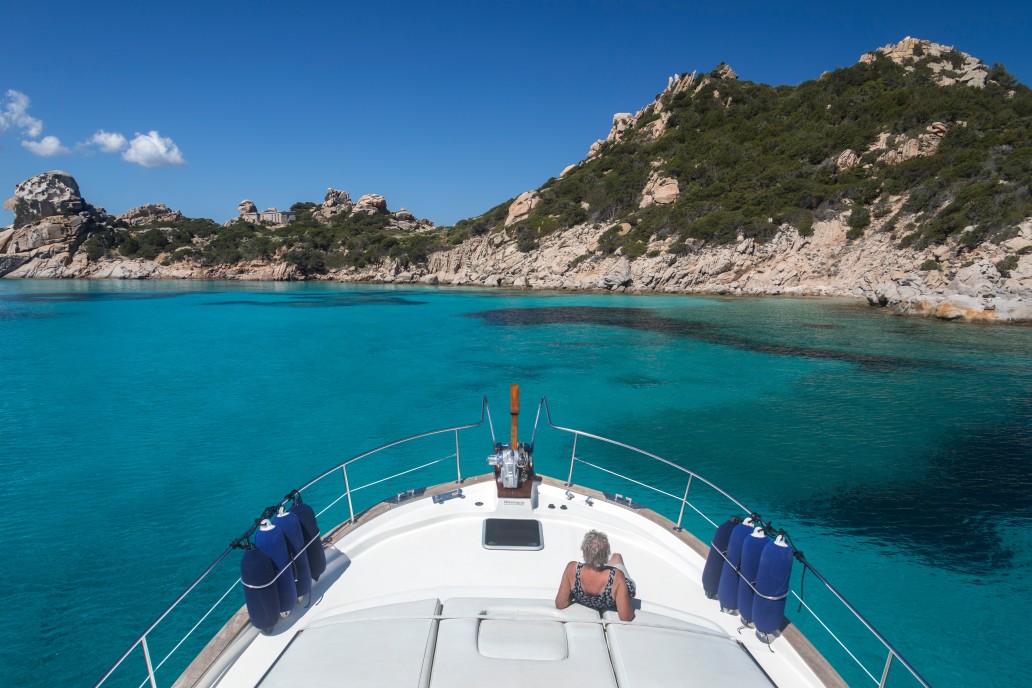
x: 412, y: 597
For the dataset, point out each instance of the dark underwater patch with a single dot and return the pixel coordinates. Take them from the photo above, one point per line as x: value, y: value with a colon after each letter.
x: 324, y: 301
x: 645, y: 320
x: 956, y: 513
x: 73, y: 296
x: 640, y: 381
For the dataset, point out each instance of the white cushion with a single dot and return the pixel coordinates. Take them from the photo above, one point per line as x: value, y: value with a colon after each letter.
x: 683, y: 654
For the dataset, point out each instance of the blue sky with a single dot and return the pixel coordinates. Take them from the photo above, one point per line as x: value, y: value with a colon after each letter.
x: 444, y: 108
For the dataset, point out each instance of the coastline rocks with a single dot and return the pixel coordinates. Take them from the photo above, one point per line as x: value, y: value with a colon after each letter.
x: 620, y: 276
x: 46, y: 195
x: 151, y: 213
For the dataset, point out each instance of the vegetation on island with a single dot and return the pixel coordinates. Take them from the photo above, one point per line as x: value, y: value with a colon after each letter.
x: 313, y: 245
x: 748, y: 158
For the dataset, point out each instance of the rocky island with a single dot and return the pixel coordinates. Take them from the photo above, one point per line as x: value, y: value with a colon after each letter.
x: 904, y: 180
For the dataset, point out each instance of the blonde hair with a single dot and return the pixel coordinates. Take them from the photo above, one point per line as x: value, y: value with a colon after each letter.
x: 595, y: 548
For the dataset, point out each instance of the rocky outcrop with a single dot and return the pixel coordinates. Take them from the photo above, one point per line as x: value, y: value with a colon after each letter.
x: 51, y: 220
x: 659, y: 191
x: 336, y: 202
x: 949, y: 66
x: 371, y: 204
x: 656, y: 113
x: 848, y: 158
x: 152, y: 213
x: 899, y: 149
x: 966, y: 284
x: 246, y: 207
x: 50, y: 194
x: 521, y: 207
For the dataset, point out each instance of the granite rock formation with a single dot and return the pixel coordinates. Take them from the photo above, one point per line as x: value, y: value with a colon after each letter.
x: 949, y: 65
x: 152, y: 213
x: 50, y: 194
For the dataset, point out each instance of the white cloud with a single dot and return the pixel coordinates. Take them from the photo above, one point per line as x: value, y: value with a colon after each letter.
x: 152, y: 150
x: 47, y: 147
x: 109, y: 142
x: 16, y: 114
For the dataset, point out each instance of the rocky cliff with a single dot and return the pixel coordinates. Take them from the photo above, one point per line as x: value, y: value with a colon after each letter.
x: 878, y: 209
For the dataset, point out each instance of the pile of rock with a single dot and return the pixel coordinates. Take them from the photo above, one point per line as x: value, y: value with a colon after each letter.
x: 336, y: 202
x: 152, y: 213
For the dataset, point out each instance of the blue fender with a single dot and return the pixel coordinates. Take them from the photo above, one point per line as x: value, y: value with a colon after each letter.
x: 727, y: 591
x: 270, y: 540
x: 772, y: 580
x: 257, y: 569
x: 752, y: 549
x: 310, y: 531
x: 295, y: 543
x: 714, y: 560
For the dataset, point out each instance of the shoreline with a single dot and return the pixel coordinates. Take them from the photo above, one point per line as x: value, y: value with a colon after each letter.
x: 913, y: 311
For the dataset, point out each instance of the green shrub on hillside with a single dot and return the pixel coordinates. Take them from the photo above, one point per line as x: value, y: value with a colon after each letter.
x: 768, y: 158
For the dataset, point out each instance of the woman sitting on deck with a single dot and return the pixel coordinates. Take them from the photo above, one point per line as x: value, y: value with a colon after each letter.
x: 601, y: 582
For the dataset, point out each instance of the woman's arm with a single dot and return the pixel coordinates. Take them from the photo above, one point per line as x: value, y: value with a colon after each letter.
x: 624, y: 606
x: 562, y: 598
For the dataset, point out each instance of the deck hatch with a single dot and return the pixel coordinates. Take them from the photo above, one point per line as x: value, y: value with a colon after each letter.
x: 513, y: 533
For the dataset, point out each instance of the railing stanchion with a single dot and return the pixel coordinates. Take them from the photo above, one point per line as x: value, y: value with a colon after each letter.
x: 573, y: 455
x: 885, y: 674
x: 347, y: 491
x: 150, y: 666
x: 684, y: 501
x: 458, y: 465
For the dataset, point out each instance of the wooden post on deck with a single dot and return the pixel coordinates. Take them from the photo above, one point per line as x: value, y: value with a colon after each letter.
x: 514, y: 411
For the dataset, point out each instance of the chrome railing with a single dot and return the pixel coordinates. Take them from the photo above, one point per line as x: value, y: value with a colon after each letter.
x: 348, y: 490
x: 342, y: 468
x: 893, y: 655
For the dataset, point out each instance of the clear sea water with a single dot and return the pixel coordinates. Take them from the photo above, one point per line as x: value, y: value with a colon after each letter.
x: 145, y: 425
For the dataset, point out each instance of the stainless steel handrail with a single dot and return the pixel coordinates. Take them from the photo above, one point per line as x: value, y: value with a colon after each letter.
x: 141, y: 640
x: 692, y: 475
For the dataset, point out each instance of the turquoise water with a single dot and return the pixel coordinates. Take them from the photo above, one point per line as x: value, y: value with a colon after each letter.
x: 145, y: 425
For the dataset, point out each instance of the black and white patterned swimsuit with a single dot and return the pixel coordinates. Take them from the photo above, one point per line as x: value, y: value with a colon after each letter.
x: 603, y: 602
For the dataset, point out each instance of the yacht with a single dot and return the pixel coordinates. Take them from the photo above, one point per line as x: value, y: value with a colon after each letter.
x: 455, y: 584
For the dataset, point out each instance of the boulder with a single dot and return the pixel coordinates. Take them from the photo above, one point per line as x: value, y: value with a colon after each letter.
x: 659, y: 191
x: 619, y: 276
x: 247, y: 208
x: 976, y: 280
x: 848, y: 158
x: 521, y: 207
x: 371, y: 204
x: 46, y: 195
